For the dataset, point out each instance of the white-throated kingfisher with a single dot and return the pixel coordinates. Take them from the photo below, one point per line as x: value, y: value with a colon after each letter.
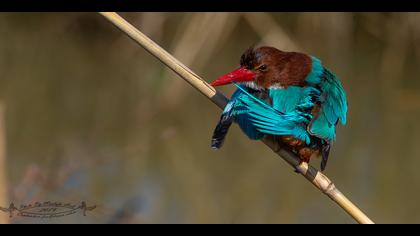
x: 288, y: 95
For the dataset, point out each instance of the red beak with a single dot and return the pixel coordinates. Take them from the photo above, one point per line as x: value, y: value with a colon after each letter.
x: 239, y: 75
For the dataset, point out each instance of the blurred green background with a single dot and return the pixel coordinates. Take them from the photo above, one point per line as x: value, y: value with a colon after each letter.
x: 91, y: 116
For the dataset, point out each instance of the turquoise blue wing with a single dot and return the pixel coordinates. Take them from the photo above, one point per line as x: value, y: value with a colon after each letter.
x: 332, y: 100
x: 234, y: 111
x: 239, y: 111
x: 268, y: 120
x: 293, y: 98
x: 321, y: 127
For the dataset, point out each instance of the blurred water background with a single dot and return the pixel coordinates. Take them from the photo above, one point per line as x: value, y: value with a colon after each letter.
x: 90, y: 116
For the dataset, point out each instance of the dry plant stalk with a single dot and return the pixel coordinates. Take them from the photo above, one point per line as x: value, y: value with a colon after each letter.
x: 202, y: 33
x: 271, y: 33
x: 310, y: 173
x: 4, y: 218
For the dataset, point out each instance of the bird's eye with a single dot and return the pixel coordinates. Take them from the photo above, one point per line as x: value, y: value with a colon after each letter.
x: 262, y: 68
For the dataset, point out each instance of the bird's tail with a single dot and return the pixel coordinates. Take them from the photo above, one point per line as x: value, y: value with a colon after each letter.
x: 220, y: 132
x: 325, y: 152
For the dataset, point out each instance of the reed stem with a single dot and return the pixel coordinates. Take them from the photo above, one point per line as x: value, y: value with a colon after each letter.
x: 4, y: 218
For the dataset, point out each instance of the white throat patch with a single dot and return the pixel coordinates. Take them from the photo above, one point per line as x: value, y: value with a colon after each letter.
x: 276, y: 86
x: 252, y: 85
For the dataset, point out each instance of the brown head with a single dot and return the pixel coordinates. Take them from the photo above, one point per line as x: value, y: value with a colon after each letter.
x: 267, y: 67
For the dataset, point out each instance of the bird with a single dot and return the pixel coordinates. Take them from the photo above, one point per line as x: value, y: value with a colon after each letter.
x: 290, y: 96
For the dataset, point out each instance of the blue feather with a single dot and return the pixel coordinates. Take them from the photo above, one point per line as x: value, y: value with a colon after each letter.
x: 236, y: 109
x: 314, y: 77
x: 332, y: 99
x: 320, y: 127
x: 288, y: 100
x: 268, y: 120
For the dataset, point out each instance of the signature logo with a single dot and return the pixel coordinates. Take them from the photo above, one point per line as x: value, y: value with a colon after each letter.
x: 47, y: 209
